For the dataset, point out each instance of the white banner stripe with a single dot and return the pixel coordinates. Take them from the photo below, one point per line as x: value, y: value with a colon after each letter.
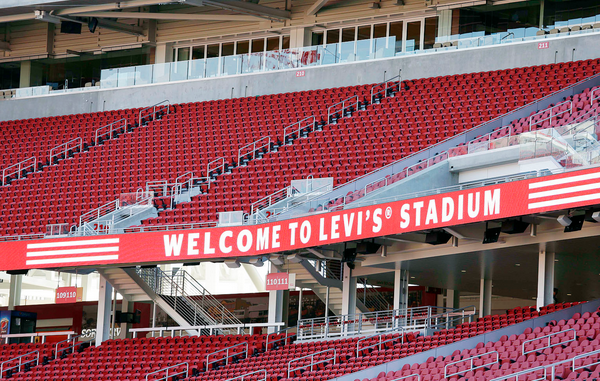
x: 32, y: 262
x: 72, y: 243
x: 554, y: 192
x: 561, y: 201
x: 565, y: 180
x: 105, y: 249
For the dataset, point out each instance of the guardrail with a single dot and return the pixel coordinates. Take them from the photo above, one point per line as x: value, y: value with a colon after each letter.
x: 73, y: 344
x: 243, y: 376
x: 111, y: 128
x: 592, y: 97
x: 342, y: 106
x: 256, y: 146
x: 64, y: 148
x: 167, y: 375
x: 552, y: 114
x: 418, y: 376
x: 242, y: 329
x: 21, y: 363
x: 384, y: 86
x: 285, y: 339
x: 227, y: 355
x: 312, y: 361
x: 296, y: 128
x: 20, y: 167
x: 5, y: 338
x: 160, y: 105
x: 472, y: 365
x: 380, y: 342
x: 221, y: 166
x: 269, y: 200
x: 100, y: 211
x: 550, y: 344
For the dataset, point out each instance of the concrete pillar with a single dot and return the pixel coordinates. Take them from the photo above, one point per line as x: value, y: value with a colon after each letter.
x: 348, y: 291
x: 14, y: 293
x: 545, y: 288
x: 444, y: 23
x: 126, y: 306
x: 275, y: 308
x: 103, y: 319
x: 400, y: 287
x: 485, y: 297
x: 300, y: 37
x: 25, y: 80
x: 452, y: 298
x: 164, y: 53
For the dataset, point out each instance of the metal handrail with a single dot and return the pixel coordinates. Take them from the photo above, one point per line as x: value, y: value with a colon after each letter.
x: 100, y: 211
x: 183, y: 176
x: 254, y: 207
x: 284, y: 339
x: 418, y: 376
x: 256, y: 145
x: 592, y: 98
x: 66, y: 148
x: 166, y: 377
x: 73, y: 344
x: 111, y: 128
x: 20, y: 165
x: 385, y: 84
x: 346, y: 103
x: 241, y: 378
x: 165, y: 104
x: 227, y: 356
x: 21, y: 363
x: 552, y: 114
x: 380, y: 335
x: 220, y: 160
x: 289, y: 130
x: 549, y: 337
x: 471, y: 364
x: 312, y: 360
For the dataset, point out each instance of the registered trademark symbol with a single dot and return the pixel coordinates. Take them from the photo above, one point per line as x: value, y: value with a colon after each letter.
x: 388, y: 212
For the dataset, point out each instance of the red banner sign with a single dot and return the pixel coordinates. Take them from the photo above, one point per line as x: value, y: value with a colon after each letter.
x: 517, y: 198
x: 66, y: 295
x: 277, y: 281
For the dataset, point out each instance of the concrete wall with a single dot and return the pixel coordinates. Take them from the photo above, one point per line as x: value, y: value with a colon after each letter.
x: 470, y: 343
x: 433, y: 64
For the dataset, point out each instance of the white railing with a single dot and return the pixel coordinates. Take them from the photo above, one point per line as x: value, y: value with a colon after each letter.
x: 185, y: 372
x: 5, y: 365
x: 243, y: 376
x: 109, y: 129
x: 220, y: 165
x: 6, y: 338
x: 160, y: 106
x: 594, y: 97
x: 160, y: 188
x: 383, y: 87
x: 242, y: 329
x: 64, y: 148
x: 312, y: 361
x: 471, y: 361
x: 227, y: 355
x: 307, y: 123
x: 285, y: 339
x: 72, y: 343
x: 264, y: 142
x: 100, y: 211
x: 396, y: 331
x: 550, y: 344
x: 19, y: 168
x: 271, y: 199
x: 418, y: 377
x: 342, y: 106
x: 552, y: 113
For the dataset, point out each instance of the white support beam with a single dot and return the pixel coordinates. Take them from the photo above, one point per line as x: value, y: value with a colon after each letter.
x: 250, y: 9
x: 112, y: 6
x: 20, y: 17
x: 316, y: 7
x: 168, y: 16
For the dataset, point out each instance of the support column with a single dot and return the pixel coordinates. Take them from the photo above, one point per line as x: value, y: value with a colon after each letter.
x: 164, y: 53
x: 126, y: 306
x: 444, y: 23
x: 300, y: 37
x: 275, y: 308
x: 103, y: 319
x: 348, y: 291
x: 400, y: 287
x: 327, y: 303
x: 14, y: 295
x: 485, y: 297
x: 453, y: 299
x: 25, y: 80
x: 545, y: 288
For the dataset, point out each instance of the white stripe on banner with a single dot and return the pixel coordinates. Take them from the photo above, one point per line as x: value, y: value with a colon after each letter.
x: 561, y: 201
x: 72, y: 243
x: 566, y: 180
x: 105, y: 249
x: 32, y: 262
x: 554, y: 192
